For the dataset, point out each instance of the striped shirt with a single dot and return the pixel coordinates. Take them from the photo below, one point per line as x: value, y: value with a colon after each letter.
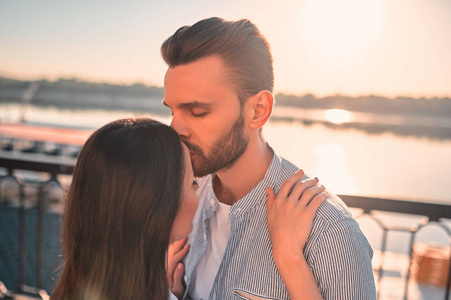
x: 336, y: 250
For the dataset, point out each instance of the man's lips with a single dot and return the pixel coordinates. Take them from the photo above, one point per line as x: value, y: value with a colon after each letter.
x: 193, y: 150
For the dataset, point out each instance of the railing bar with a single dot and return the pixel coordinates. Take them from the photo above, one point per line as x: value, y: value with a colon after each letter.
x: 3, y: 289
x: 412, y: 240
x: 448, y: 280
x: 433, y: 211
x: 39, y: 236
x: 22, y: 249
x: 37, y: 166
x: 382, y: 257
x: 1, y: 209
x: 381, y: 260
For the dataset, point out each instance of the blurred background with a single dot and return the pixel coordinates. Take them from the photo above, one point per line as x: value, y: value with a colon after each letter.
x: 390, y: 61
x: 362, y: 87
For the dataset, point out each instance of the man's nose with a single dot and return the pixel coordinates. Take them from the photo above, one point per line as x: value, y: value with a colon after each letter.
x: 178, y: 125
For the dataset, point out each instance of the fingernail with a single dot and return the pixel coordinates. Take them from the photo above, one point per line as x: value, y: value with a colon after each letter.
x: 316, y: 178
x: 180, y: 266
x: 299, y: 171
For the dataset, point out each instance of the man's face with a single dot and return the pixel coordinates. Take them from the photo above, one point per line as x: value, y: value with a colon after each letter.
x: 206, y: 113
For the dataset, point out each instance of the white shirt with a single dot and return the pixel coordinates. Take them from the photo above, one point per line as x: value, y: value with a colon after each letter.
x: 204, y: 276
x: 172, y: 297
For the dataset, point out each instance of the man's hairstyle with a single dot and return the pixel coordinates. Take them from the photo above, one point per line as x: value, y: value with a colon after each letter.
x: 239, y: 44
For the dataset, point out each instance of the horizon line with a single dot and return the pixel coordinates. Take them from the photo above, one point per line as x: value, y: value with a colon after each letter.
x: 285, y: 93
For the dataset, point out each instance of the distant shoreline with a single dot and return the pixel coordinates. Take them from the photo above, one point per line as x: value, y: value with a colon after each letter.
x: 77, y: 95
x: 73, y: 93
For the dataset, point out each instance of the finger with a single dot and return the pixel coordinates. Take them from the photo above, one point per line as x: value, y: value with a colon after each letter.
x: 176, y: 246
x: 270, y: 199
x: 175, y: 258
x: 289, y: 183
x: 317, y: 201
x: 177, y: 287
x: 310, y: 193
x: 301, y: 187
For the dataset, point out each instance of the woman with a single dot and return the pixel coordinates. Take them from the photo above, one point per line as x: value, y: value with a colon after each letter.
x: 133, y: 194
x: 132, y: 178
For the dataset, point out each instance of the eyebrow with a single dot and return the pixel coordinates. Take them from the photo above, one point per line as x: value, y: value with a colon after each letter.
x: 192, y: 104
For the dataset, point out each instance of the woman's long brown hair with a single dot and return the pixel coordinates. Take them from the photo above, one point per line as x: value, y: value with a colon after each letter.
x: 119, y: 212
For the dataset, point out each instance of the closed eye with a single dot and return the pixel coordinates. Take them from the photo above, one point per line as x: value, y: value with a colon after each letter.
x: 199, y: 115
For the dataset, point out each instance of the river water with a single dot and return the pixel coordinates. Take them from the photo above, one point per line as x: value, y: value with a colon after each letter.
x: 347, y: 161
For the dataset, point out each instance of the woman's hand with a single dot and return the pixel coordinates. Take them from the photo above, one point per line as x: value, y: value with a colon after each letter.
x: 175, y: 270
x: 290, y: 215
x: 290, y: 219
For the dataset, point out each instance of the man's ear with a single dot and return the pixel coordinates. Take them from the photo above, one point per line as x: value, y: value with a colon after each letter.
x: 260, y: 108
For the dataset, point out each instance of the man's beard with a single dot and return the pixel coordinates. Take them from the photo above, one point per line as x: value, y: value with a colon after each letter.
x: 224, y: 152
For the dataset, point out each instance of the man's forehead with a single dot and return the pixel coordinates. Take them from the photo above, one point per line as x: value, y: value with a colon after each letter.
x: 202, y: 83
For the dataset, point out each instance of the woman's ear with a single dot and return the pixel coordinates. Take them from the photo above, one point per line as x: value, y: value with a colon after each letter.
x: 260, y: 108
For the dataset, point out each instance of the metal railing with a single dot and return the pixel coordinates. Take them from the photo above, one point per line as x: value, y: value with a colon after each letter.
x: 30, y: 215
x: 431, y: 213
x: 30, y: 218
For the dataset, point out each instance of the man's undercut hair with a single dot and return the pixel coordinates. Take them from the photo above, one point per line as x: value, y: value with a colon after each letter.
x: 244, y: 51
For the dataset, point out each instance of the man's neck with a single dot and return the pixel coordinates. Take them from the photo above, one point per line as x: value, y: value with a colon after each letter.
x: 234, y: 183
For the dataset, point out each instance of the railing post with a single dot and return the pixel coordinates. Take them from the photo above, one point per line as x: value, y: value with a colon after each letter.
x: 39, y: 235
x: 22, y: 250
x: 7, y: 293
x: 448, y: 281
x: 382, y: 258
x: 406, y: 288
x: 3, y: 289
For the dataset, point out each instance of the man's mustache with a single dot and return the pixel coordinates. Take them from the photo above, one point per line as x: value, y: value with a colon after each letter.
x: 193, y: 148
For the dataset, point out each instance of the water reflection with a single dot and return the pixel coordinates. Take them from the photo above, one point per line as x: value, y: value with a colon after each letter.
x: 338, y: 116
x: 333, y: 165
x: 372, y: 123
x: 352, y: 162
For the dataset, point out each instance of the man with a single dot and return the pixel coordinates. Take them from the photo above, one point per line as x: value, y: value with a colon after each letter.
x: 219, y: 87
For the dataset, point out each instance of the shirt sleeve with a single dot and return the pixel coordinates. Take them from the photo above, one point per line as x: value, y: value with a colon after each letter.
x: 342, y: 263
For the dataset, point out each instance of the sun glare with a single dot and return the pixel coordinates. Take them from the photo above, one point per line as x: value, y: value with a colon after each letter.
x: 342, y: 32
x: 333, y: 165
x: 338, y: 116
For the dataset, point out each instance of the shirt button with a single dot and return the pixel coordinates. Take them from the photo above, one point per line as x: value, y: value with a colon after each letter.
x: 205, y: 236
x: 212, y: 202
x: 186, y: 278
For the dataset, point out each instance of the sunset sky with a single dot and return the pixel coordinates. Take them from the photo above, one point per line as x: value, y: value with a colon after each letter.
x: 352, y: 47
